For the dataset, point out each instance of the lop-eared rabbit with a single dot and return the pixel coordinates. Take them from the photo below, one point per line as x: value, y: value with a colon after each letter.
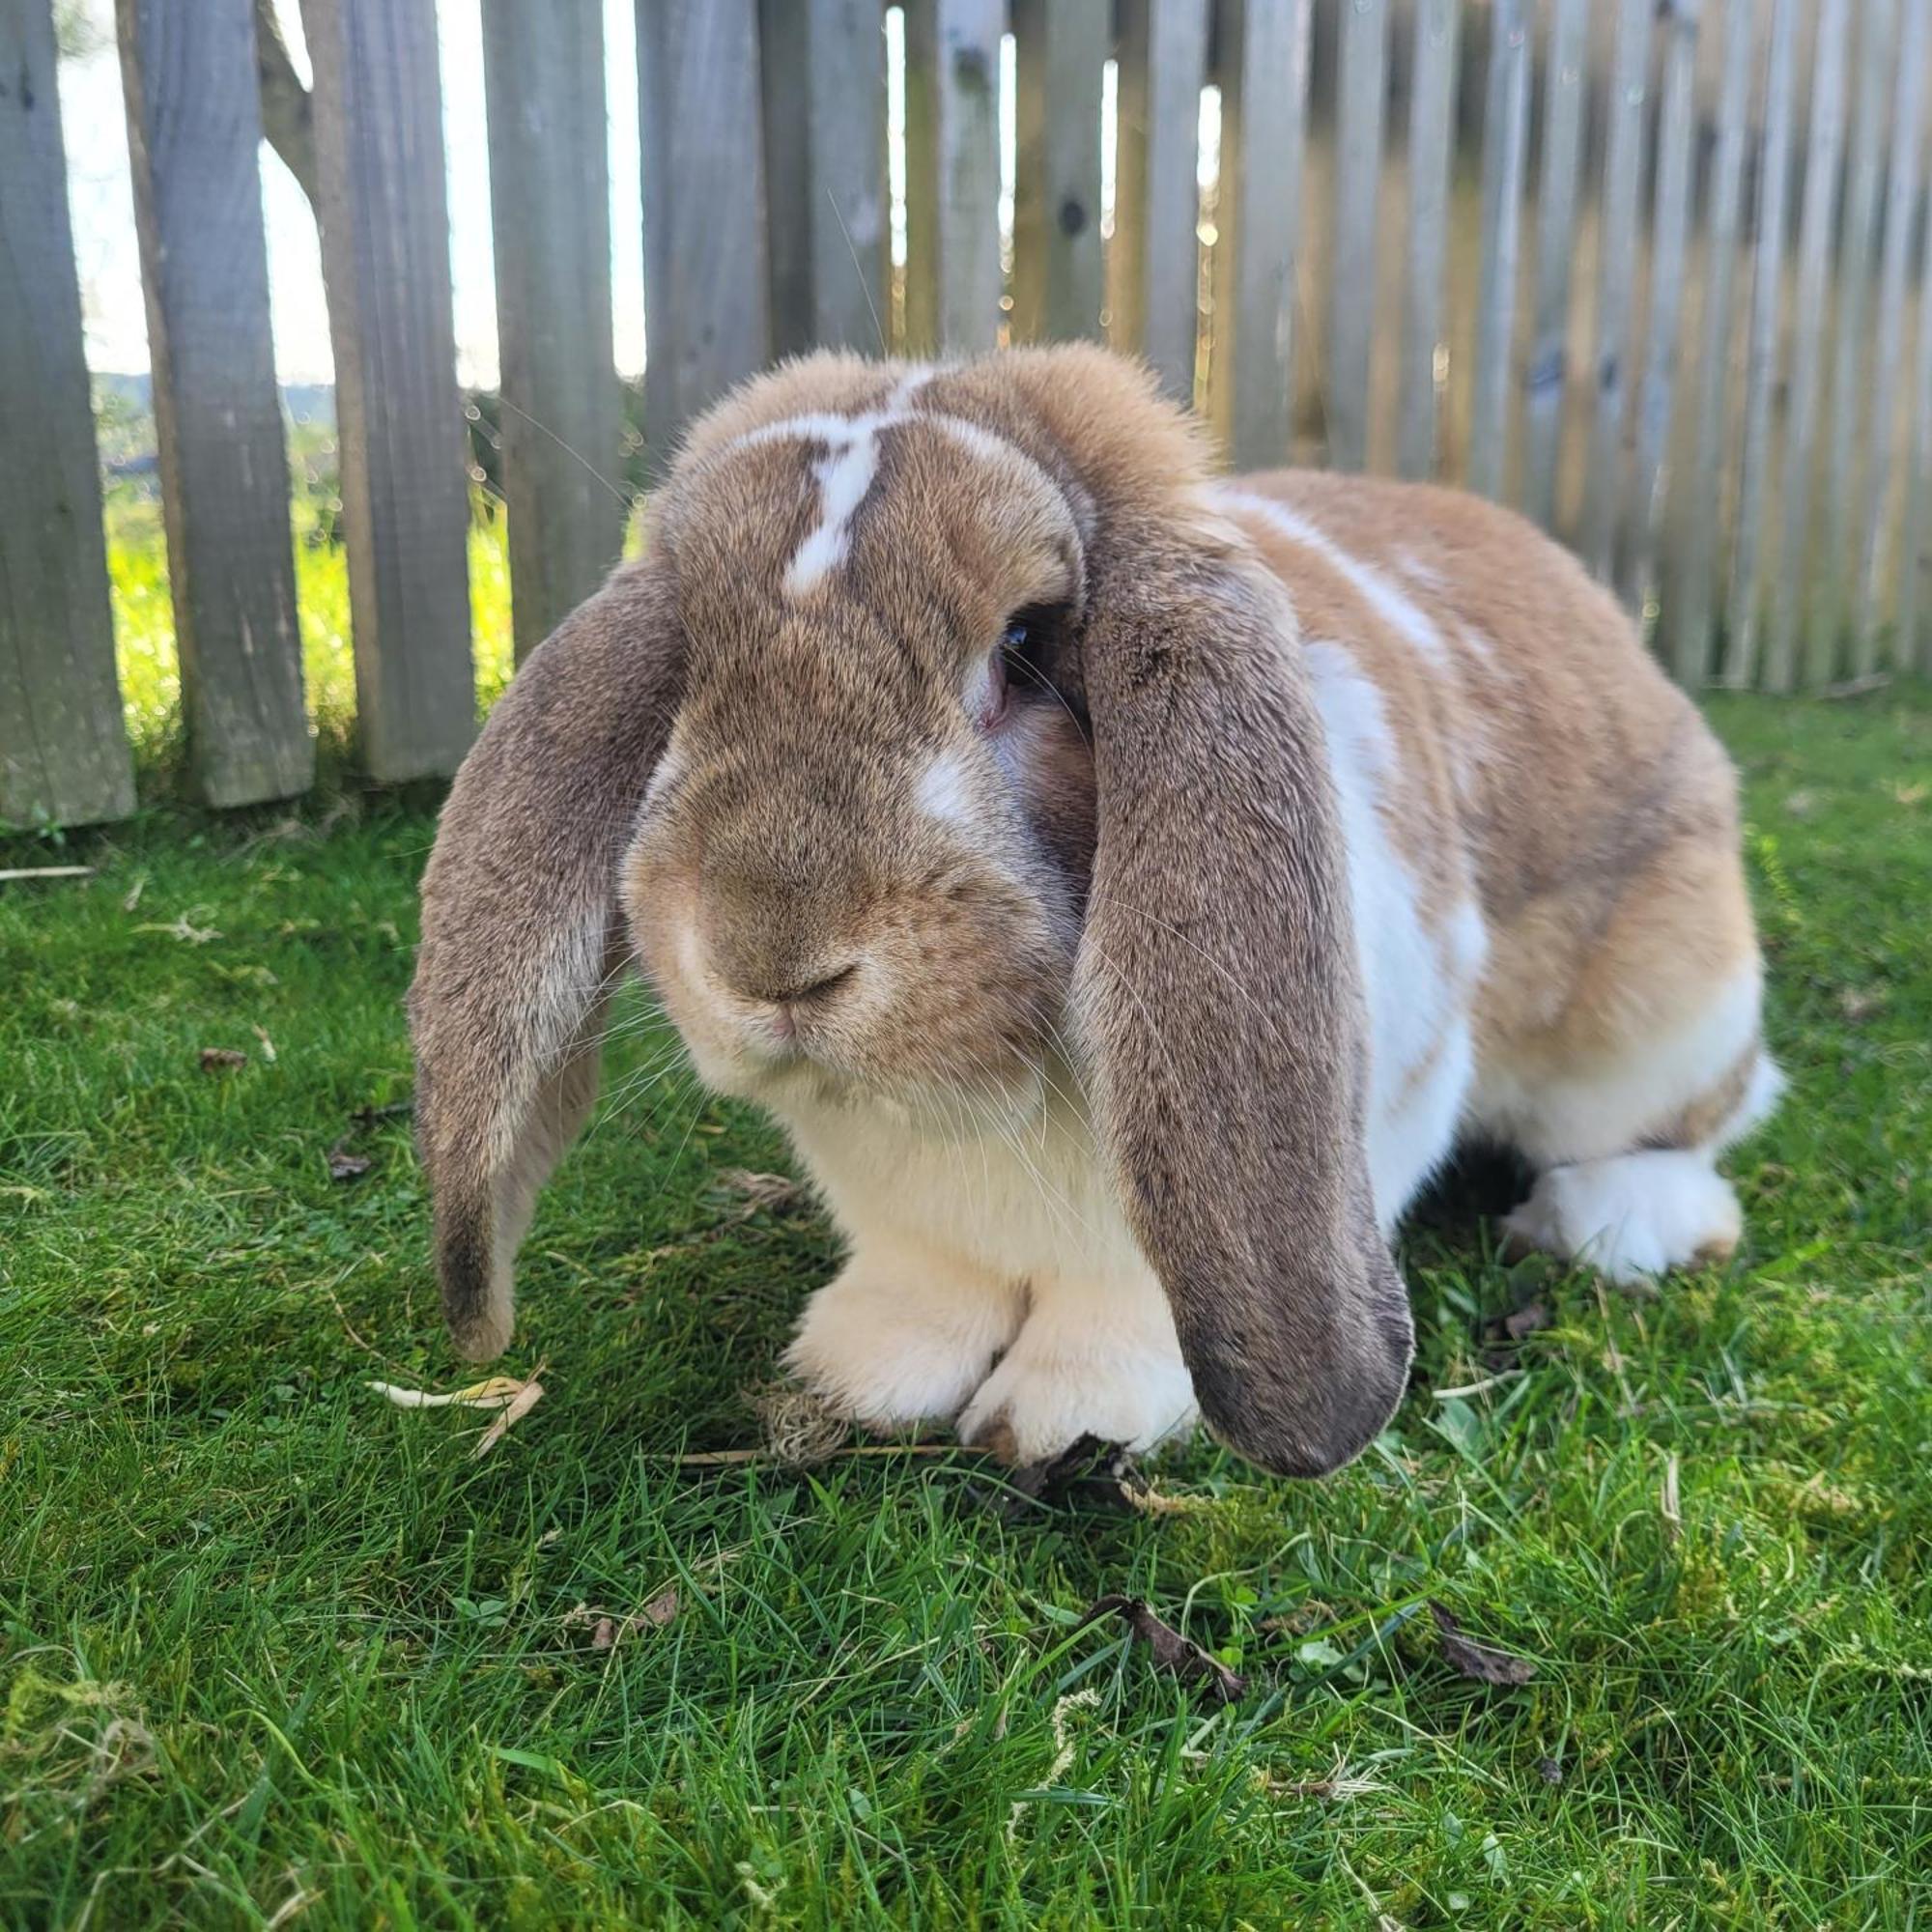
x: 1126, y: 886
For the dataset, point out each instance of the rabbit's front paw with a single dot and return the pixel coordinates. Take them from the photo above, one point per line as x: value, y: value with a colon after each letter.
x: 899, y: 1346
x: 1046, y: 1395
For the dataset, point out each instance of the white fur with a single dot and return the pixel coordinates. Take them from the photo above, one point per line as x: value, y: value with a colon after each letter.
x: 1632, y: 1215
x: 844, y: 476
x: 1589, y: 1114
x: 944, y: 791
x: 1404, y: 616
x: 1420, y: 1052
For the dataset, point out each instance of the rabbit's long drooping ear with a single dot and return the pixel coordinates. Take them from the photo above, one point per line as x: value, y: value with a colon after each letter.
x: 1220, y: 983
x: 521, y: 933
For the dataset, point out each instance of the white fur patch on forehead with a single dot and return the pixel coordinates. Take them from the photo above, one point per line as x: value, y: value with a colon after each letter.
x: 845, y: 475
x: 1398, y: 612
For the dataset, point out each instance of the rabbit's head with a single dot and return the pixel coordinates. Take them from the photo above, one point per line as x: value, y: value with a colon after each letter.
x: 943, y: 729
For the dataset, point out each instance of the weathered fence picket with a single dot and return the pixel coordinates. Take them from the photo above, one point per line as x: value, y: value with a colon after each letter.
x: 953, y: 175
x: 1153, y: 266
x: 1431, y: 128
x: 195, y: 131
x: 1814, y: 243
x: 1360, y: 90
x: 1264, y: 80
x: 1547, y: 373
x: 1713, y: 373
x: 1505, y: 135
x: 399, y: 423
x: 62, y: 753
x: 1703, y: 496
x: 550, y: 209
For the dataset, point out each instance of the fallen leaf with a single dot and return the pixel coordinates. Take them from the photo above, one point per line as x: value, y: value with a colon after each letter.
x: 1476, y: 1659
x: 660, y: 1608
x: 268, y: 1045
x: 1090, y: 1471
x: 346, y: 1166
x: 770, y: 1192
x: 492, y: 1392
x: 608, y: 1632
x: 214, y: 1059
x: 1171, y: 1649
x: 1529, y: 1320
x: 513, y: 1412
x: 1915, y: 793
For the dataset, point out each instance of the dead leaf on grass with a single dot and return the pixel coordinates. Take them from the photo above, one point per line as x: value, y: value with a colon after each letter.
x: 513, y: 1412
x: 1860, y: 1002
x: 261, y: 1032
x: 492, y: 1392
x: 1477, y: 1659
x: 771, y: 1193
x: 346, y: 1166
x: 218, y: 1059
x: 1531, y: 1319
x: 1171, y: 1649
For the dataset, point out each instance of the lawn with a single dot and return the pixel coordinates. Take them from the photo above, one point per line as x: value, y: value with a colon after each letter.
x: 273, y: 1650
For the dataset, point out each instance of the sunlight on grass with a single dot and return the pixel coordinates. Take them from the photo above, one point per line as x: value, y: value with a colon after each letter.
x: 144, y: 625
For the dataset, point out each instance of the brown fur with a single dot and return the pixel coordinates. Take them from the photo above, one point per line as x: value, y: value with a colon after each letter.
x: 1168, y: 875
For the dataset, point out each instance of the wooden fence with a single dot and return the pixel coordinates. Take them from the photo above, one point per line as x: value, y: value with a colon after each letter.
x: 1654, y: 270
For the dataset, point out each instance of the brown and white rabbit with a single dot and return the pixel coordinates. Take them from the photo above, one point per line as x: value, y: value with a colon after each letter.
x: 1124, y: 887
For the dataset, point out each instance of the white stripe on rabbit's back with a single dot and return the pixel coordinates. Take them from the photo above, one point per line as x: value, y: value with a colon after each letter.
x: 1400, y: 612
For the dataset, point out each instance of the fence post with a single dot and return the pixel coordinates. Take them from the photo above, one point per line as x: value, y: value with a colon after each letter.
x: 1505, y: 113
x: 399, y: 421
x: 952, y: 174
x: 1697, y: 571
x: 1823, y: 148
x: 194, y: 135
x: 706, y: 297
x: 1761, y: 363
x: 1604, y: 495
x: 1900, y: 204
x: 1153, y: 268
x: 1361, y: 86
x: 1432, y: 128
x: 1850, y: 394
x: 62, y: 749
x: 1060, y: 51
x: 1547, y: 376
x: 550, y: 214
x: 1669, y: 226
x: 1263, y: 62
x: 823, y: 67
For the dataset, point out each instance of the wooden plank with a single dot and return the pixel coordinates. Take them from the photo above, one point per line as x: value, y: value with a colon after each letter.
x: 194, y: 135
x: 1361, y: 90
x: 1669, y: 230
x: 1505, y: 118
x: 63, y: 752
x: 1741, y: 641
x: 1690, y: 606
x: 1060, y: 50
x: 1823, y: 149
x: 1263, y: 79
x: 1616, y: 275
x: 1431, y: 125
x: 1851, y: 392
x: 823, y: 70
x: 1911, y: 650
x: 1153, y: 266
x: 1546, y: 377
x: 706, y: 300
x: 399, y: 419
x: 1901, y: 197
x: 953, y: 175
x: 550, y: 211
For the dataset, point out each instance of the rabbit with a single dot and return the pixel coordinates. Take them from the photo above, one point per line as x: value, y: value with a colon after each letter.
x: 1126, y: 886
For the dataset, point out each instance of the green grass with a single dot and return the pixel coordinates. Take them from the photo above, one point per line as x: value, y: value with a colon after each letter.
x: 144, y: 628
x: 272, y: 1649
